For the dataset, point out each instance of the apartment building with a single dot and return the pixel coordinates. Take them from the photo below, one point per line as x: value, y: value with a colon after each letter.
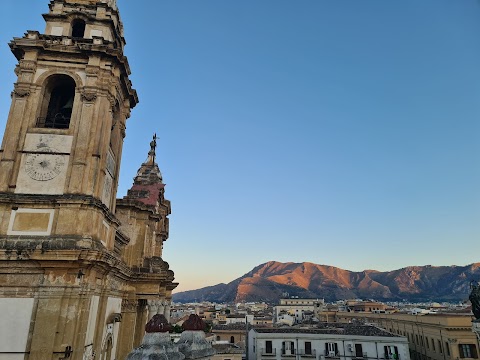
x: 326, y: 342
x: 444, y: 336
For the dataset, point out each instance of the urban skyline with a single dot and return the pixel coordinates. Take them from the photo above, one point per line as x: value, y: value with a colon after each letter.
x: 337, y: 133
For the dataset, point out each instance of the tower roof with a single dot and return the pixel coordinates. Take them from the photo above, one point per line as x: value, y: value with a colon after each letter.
x: 148, y: 183
x: 149, y: 173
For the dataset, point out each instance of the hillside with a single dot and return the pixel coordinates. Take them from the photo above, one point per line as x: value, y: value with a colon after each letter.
x: 267, y: 282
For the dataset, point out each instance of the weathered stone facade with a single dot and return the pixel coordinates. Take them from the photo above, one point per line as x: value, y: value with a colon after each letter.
x: 81, y: 273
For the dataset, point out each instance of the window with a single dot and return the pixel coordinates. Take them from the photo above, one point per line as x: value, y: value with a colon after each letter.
x: 433, y: 344
x: 232, y: 339
x: 218, y: 338
x: 358, y: 351
x: 308, y: 348
x: 57, y: 104
x: 78, y: 28
x: 427, y: 342
x: 331, y: 349
x: 447, y: 348
x: 468, y: 351
x: 288, y: 348
x: 391, y: 352
x: 268, y: 347
x: 440, y: 347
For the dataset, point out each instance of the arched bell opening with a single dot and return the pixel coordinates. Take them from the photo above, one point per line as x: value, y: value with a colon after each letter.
x: 57, y: 104
x: 78, y: 28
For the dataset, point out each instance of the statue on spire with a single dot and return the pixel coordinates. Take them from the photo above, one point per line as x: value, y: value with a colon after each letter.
x: 153, y: 149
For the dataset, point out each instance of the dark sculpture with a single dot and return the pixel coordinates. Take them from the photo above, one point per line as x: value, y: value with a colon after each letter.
x: 475, y: 298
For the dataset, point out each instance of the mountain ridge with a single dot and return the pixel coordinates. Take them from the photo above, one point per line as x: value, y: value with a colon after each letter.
x: 268, y: 281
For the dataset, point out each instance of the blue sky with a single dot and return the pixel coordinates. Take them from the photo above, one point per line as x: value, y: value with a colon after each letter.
x: 337, y: 132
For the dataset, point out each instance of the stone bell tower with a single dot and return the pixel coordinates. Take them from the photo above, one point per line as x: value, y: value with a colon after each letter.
x: 69, y: 286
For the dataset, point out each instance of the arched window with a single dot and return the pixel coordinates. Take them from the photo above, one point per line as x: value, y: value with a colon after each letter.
x: 78, y: 28
x: 57, y: 104
x: 232, y: 339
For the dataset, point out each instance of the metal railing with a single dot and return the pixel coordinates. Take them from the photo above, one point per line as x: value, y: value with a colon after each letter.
x: 331, y: 354
x: 57, y: 121
x: 310, y: 353
x: 363, y: 356
x: 289, y: 353
x: 392, y: 356
x: 268, y: 352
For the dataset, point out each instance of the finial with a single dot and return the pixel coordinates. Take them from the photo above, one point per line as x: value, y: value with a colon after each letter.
x: 153, y: 148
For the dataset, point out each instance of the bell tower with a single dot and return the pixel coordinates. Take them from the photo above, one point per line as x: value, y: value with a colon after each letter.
x: 66, y: 273
x: 69, y: 106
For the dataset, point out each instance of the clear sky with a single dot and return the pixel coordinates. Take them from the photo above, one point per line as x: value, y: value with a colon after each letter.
x: 340, y: 132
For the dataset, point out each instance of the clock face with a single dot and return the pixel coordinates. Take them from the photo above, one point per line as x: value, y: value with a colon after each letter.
x: 43, y: 167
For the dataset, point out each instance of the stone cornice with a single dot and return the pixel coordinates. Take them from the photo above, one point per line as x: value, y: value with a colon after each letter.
x: 85, y: 252
x: 52, y: 200
x: 44, y: 43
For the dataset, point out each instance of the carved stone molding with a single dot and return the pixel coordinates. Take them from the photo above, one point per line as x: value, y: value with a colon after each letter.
x: 123, y: 129
x: 89, y: 96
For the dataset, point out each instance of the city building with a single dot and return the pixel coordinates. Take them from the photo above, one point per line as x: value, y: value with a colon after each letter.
x: 297, y: 308
x: 80, y: 271
x: 232, y: 333
x: 326, y: 341
x: 442, y: 336
x: 227, y: 352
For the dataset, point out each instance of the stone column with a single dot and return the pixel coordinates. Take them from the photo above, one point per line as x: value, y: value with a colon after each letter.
x: 161, y: 308
x: 167, y: 310
x: 153, y: 306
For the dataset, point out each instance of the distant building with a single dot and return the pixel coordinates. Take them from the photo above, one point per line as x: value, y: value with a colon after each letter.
x: 227, y: 351
x: 297, y: 307
x: 325, y: 342
x: 232, y: 333
x: 369, y: 306
x: 446, y: 336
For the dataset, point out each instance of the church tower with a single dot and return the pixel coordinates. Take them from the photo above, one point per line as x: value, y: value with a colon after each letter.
x: 78, y: 279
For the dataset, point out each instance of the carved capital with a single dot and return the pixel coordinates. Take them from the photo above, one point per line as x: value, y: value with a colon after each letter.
x: 129, y: 305
x: 21, y: 92
x: 92, y: 70
x: 89, y: 96
x: 27, y: 65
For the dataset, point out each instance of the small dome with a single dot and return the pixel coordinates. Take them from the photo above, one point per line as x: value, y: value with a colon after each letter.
x: 194, y: 323
x: 158, y: 324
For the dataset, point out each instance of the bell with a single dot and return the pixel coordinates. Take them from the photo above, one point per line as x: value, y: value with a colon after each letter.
x: 69, y: 104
